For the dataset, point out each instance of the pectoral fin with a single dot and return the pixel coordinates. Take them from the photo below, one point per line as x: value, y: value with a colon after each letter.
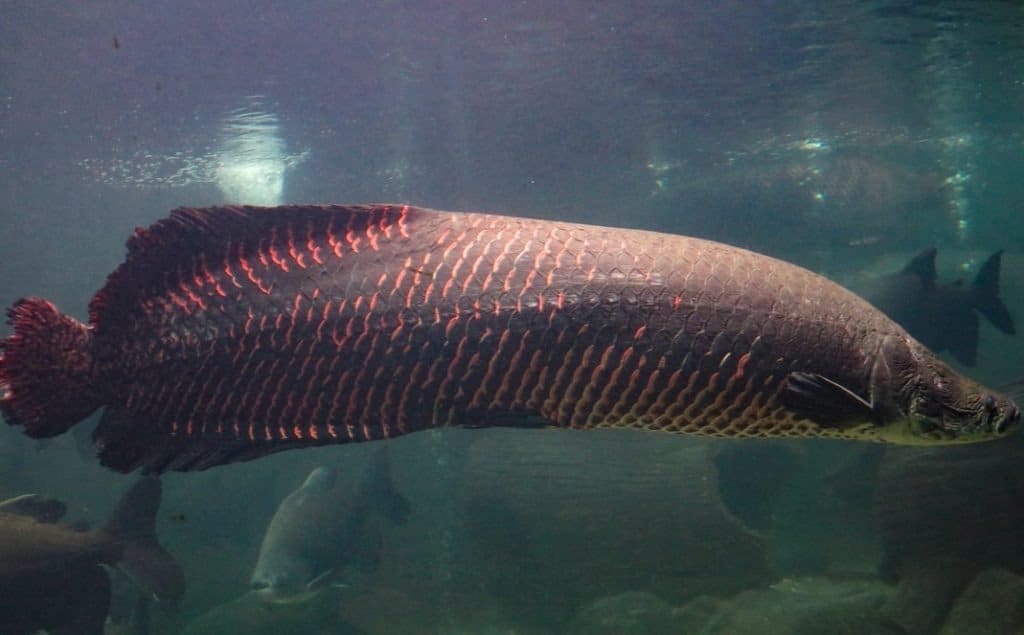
x: 823, y: 401
x: 320, y: 580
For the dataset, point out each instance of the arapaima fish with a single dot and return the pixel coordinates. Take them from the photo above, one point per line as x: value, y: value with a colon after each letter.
x: 233, y: 332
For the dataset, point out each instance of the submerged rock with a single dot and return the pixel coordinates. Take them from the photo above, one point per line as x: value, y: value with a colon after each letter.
x: 806, y: 606
x: 625, y: 614
x: 945, y: 515
x: 993, y: 604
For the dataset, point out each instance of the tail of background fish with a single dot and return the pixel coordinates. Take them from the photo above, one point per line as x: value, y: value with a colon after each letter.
x: 377, y: 490
x: 45, y: 369
x: 985, y: 295
x: 144, y: 560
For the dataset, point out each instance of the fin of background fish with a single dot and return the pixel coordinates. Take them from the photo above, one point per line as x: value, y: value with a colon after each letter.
x: 923, y: 266
x: 320, y: 580
x: 985, y: 294
x: 43, y: 510
x: 380, y: 490
x: 144, y: 560
x: 822, y: 400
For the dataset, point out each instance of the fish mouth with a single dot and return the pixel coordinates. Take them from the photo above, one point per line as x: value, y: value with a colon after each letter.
x: 916, y: 432
x: 271, y: 595
x: 276, y: 594
x: 925, y: 431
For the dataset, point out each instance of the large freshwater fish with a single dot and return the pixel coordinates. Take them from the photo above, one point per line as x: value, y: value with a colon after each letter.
x: 233, y: 332
x: 322, y: 528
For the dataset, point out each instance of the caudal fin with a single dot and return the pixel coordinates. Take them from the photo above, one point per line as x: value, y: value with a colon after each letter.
x: 45, y: 369
x: 985, y: 295
x: 144, y: 560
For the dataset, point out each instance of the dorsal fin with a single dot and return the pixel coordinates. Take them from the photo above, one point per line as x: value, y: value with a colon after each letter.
x: 985, y: 294
x: 192, y: 242
x: 44, y: 510
x: 923, y: 266
x: 987, y: 280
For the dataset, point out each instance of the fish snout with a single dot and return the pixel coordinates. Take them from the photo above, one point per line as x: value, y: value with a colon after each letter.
x: 281, y: 588
x: 271, y: 587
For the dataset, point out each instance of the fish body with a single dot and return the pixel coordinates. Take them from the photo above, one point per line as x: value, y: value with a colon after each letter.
x: 50, y: 574
x: 28, y: 547
x: 230, y: 333
x: 323, y: 527
x: 944, y: 317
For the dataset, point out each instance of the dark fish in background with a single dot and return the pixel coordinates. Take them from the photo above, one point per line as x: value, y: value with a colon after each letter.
x: 322, y: 528
x: 51, y: 575
x: 944, y: 317
x: 233, y: 332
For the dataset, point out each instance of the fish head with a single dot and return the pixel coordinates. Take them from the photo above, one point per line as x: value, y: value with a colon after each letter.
x: 291, y: 582
x: 941, y: 406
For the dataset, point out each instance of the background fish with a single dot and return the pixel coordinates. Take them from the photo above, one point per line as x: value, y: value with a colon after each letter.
x: 50, y: 575
x: 233, y: 332
x: 944, y: 317
x: 322, y: 528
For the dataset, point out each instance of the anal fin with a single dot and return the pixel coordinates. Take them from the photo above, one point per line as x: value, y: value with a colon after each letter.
x: 126, y: 441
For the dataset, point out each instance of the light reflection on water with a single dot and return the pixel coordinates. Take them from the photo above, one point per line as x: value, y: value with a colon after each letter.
x: 249, y: 164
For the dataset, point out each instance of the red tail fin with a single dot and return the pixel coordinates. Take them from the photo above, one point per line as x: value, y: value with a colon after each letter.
x: 45, y: 369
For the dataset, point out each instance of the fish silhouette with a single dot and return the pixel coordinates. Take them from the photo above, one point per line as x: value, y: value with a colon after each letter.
x: 230, y: 333
x: 51, y: 575
x: 944, y: 317
x: 322, y: 527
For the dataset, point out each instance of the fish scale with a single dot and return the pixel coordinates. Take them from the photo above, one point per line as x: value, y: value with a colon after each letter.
x: 230, y: 333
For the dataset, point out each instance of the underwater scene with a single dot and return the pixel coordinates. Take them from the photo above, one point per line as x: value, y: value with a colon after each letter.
x: 511, y: 318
